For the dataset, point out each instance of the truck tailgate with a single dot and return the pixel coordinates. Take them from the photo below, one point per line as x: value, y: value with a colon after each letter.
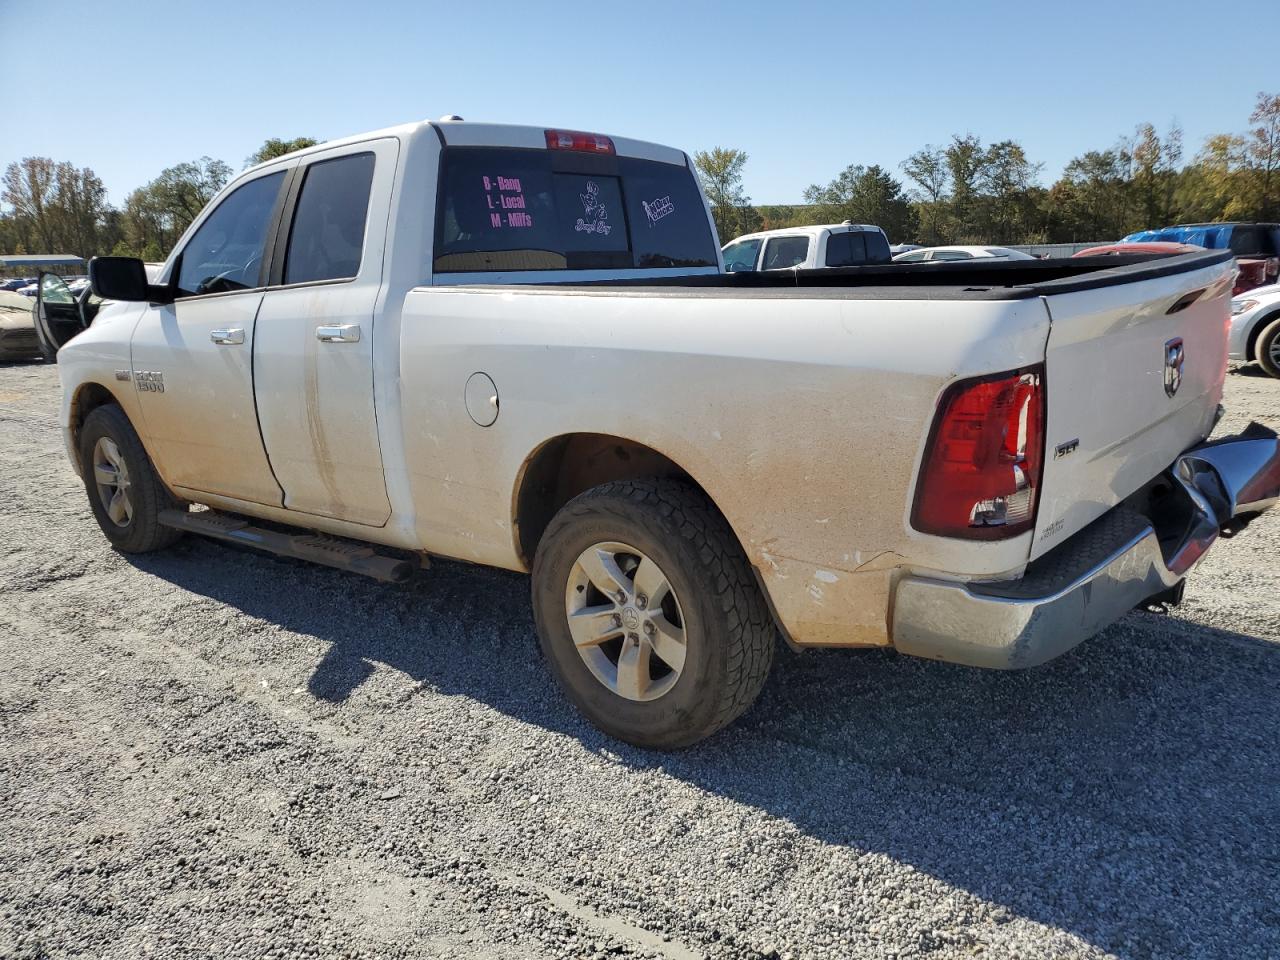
x: 1133, y: 376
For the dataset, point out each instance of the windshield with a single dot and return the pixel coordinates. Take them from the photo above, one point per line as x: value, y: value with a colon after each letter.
x: 507, y: 209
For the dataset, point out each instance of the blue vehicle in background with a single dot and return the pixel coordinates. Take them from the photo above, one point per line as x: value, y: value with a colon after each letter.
x: 1256, y: 246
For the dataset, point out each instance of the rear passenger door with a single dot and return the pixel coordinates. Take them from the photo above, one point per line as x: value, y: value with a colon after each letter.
x: 314, y: 352
x: 781, y: 253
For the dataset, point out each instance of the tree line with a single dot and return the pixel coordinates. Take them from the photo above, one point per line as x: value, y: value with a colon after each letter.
x: 965, y: 191
x: 57, y: 207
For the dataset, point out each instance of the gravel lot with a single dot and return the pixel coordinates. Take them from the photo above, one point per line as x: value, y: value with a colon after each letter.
x: 210, y: 752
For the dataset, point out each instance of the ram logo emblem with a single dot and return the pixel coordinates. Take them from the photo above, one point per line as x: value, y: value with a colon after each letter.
x: 1174, y: 357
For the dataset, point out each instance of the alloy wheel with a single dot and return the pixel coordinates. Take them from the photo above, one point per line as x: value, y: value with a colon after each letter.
x: 111, y: 475
x: 626, y: 621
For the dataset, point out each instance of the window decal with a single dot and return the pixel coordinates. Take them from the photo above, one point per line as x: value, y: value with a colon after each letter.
x: 509, y: 196
x: 594, y: 212
x: 655, y: 210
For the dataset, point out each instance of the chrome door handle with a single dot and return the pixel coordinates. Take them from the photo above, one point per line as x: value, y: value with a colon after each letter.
x: 234, y: 335
x: 342, y: 333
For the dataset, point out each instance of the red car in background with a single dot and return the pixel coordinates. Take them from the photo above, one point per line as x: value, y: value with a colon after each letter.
x: 1251, y: 273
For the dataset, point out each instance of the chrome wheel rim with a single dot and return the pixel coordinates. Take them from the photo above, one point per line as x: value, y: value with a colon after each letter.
x: 625, y: 621
x: 111, y: 476
x: 1274, y: 350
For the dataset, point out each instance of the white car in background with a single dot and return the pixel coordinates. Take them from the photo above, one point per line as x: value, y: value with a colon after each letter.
x: 940, y: 254
x: 1255, y: 328
x: 807, y: 248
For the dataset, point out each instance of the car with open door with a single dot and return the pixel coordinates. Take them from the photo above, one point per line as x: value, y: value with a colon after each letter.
x: 17, y: 330
x: 60, y: 313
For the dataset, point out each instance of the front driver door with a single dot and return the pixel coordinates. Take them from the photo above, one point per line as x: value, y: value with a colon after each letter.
x: 58, y: 315
x: 193, y: 358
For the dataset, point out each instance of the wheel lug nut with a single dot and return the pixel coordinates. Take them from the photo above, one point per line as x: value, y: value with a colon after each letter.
x: 648, y: 628
x: 617, y: 620
x: 621, y: 596
x: 641, y: 601
x: 634, y: 638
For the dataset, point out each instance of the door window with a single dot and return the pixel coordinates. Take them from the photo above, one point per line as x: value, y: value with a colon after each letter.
x: 741, y: 256
x: 53, y: 289
x: 783, y: 252
x: 226, y: 251
x: 916, y: 257
x: 327, y: 238
x: 951, y: 255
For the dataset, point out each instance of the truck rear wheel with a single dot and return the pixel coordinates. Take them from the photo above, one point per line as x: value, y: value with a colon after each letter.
x: 648, y: 613
x: 125, y: 492
x: 1268, y: 348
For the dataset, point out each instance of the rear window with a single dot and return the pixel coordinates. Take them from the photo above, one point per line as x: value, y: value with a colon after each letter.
x: 507, y: 209
x: 877, y: 247
x: 847, y: 249
x: 856, y: 248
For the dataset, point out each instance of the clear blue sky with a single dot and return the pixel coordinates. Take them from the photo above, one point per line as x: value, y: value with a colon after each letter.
x: 804, y: 88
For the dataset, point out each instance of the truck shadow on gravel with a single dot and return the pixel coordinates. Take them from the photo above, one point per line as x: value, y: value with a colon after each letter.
x: 1126, y: 793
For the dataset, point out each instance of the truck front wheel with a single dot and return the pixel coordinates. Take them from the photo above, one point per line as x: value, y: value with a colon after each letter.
x: 125, y: 492
x: 648, y: 613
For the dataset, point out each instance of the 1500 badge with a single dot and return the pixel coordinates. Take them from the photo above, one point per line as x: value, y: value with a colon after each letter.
x: 149, y: 381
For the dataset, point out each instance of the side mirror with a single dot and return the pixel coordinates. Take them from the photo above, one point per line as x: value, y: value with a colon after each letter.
x: 124, y: 278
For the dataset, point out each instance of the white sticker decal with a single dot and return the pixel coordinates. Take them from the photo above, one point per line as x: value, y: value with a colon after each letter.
x: 655, y: 210
x: 594, y: 213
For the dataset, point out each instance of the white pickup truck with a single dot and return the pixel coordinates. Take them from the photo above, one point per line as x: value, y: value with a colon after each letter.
x: 845, y: 244
x: 517, y: 346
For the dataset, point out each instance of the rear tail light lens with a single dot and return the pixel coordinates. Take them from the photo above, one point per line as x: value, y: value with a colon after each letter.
x: 982, y: 469
x: 581, y: 142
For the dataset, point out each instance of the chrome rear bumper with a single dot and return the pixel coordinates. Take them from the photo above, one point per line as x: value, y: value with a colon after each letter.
x: 1114, y: 564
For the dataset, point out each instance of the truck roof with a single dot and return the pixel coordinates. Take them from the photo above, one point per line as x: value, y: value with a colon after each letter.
x: 811, y: 230
x: 462, y: 133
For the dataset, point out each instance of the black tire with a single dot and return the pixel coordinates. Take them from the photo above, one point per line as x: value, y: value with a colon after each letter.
x: 142, y: 532
x: 729, y: 633
x: 1267, y: 347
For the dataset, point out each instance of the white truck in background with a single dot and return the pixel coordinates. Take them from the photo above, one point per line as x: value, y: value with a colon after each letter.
x: 845, y: 244
x: 517, y: 346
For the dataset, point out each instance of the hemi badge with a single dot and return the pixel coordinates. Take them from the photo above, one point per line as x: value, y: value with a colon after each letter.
x: 122, y: 374
x: 1065, y: 449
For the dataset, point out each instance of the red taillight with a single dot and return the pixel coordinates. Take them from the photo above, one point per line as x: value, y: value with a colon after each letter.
x: 576, y: 140
x: 982, y: 469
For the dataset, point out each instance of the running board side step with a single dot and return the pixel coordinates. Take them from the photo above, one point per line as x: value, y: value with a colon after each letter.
x: 314, y: 547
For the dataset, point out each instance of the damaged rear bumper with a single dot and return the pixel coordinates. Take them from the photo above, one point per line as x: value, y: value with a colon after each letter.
x: 1131, y: 554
